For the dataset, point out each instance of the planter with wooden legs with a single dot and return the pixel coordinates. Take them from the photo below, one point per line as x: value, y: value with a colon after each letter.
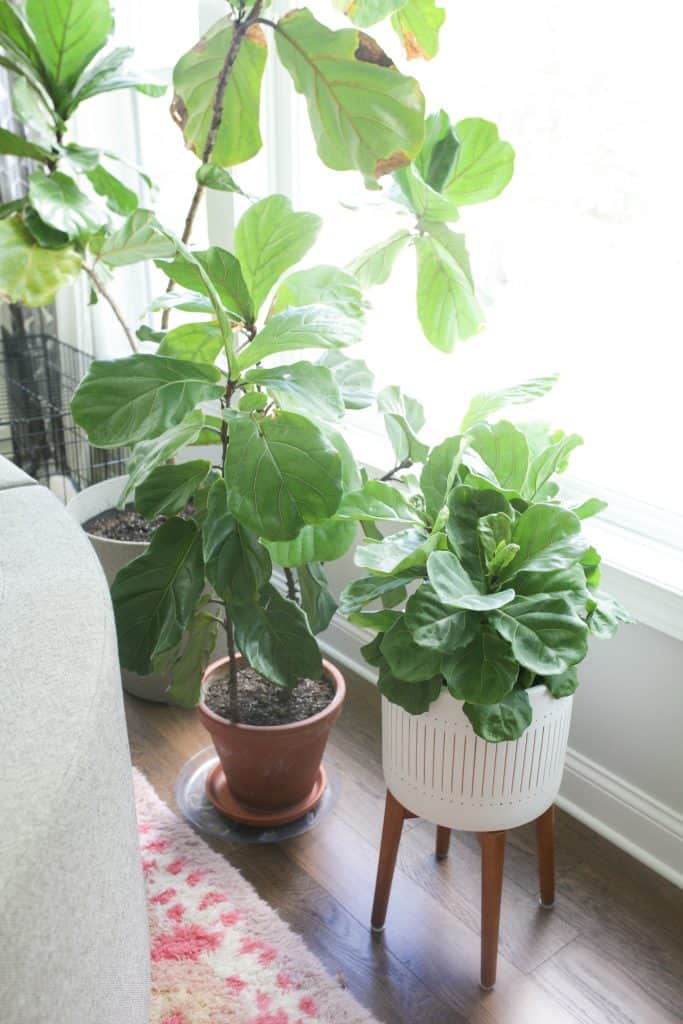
x: 437, y: 769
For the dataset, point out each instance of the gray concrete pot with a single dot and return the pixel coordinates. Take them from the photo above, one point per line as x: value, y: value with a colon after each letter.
x: 113, y: 555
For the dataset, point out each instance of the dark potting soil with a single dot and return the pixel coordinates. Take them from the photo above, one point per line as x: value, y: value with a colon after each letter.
x: 261, y: 703
x: 122, y: 524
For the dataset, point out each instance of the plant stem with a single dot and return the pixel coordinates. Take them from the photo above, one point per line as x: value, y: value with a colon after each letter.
x: 232, y: 678
x: 97, y: 284
x: 292, y: 592
x: 239, y: 32
x: 404, y: 464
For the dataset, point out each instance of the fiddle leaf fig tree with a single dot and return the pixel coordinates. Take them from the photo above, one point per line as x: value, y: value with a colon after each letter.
x: 497, y: 589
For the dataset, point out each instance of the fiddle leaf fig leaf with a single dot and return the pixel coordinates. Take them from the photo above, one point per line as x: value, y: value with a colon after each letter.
x: 504, y: 721
x: 552, y: 460
x: 147, y: 455
x: 563, y: 684
x: 407, y: 660
x: 364, y: 591
x: 197, y: 77
x: 605, y: 615
x: 224, y: 272
x: 434, y: 625
x: 364, y: 113
x: 282, y: 473
x: 30, y: 273
x: 190, y: 663
x: 139, y: 238
x: 436, y: 159
x: 17, y: 145
x: 59, y: 202
x: 301, y: 387
x: 489, y: 402
x: 301, y: 327
x: 316, y: 599
x: 199, y: 342
x: 415, y: 698
x: 217, y: 178
x: 353, y: 378
x: 274, y: 636
x: 466, y: 506
x: 417, y: 23
x: 546, y: 634
x: 322, y: 542
x: 439, y: 474
x: 169, y: 489
x: 484, y: 671
x: 237, y: 565
x: 107, y: 75
x: 446, y: 304
x: 403, y: 417
x: 590, y: 507
x: 549, y: 538
x: 68, y: 34
x: 269, y: 239
x: 421, y: 198
x: 118, y: 197
x: 121, y: 401
x: 484, y: 164
x: 456, y: 589
x: 13, y: 27
x: 407, y: 549
x: 375, y: 264
x: 569, y: 584
x: 327, y: 286
x: 365, y: 13
x: 378, y: 501
x: 502, y: 455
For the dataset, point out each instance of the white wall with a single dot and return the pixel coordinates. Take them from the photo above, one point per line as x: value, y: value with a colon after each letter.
x: 624, y: 774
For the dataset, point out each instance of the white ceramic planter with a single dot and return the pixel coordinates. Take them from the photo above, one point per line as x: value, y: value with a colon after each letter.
x: 113, y: 555
x: 437, y: 767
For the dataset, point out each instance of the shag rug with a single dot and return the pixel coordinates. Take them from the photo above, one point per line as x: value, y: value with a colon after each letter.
x: 220, y: 955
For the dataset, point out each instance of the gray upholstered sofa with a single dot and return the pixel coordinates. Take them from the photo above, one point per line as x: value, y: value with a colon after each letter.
x: 74, y: 947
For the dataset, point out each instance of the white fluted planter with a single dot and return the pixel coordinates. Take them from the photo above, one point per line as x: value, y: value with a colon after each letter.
x: 438, y: 768
x: 113, y: 555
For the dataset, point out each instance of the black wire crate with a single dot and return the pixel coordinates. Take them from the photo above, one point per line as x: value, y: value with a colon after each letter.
x: 38, y: 377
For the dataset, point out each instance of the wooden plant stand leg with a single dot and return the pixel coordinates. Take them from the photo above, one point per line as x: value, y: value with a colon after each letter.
x: 443, y: 841
x: 492, y: 858
x: 394, y: 816
x: 545, y: 850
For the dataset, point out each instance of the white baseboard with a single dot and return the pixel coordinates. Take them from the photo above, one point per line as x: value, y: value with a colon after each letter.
x: 631, y: 819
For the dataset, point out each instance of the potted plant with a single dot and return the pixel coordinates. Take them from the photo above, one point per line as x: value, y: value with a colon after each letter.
x: 486, y: 598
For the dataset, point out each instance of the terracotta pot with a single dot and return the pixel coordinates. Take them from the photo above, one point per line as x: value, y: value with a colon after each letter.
x: 270, y: 768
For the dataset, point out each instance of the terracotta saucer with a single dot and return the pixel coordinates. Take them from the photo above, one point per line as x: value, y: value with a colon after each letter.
x: 218, y: 792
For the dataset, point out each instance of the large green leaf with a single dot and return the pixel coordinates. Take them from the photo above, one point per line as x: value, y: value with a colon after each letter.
x: 381, y: 501
x: 418, y: 23
x: 415, y: 698
x: 301, y: 387
x: 44, y: 234
x: 446, y: 305
x: 274, y: 636
x: 224, y: 272
x: 365, y: 13
x: 466, y: 506
x: 68, y: 34
x: 122, y: 401
x: 147, y: 455
x: 17, y: 145
x: 567, y: 583
x: 546, y: 635
x: 168, y: 489
x: 59, y: 202
x: 549, y: 538
x: 108, y: 75
x: 269, y: 239
x: 364, y: 591
x: 353, y: 378
x: 350, y: 474
x: 563, y: 684
x: 436, y: 159
x: 154, y: 595
x: 323, y: 542
x: 483, y: 671
x: 489, y: 402
x: 407, y: 549
x: 301, y: 327
x: 200, y: 342
x: 403, y: 417
x: 484, y: 163
x: 363, y: 112
x: 434, y: 625
x: 198, y: 77
x: 139, y: 238
x: 237, y: 565
x: 457, y: 589
x: 316, y: 599
x: 439, y: 474
x: 282, y: 473
x: 425, y: 202
x: 506, y: 720
x: 407, y: 660
x: 17, y: 38
x: 191, y: 661
x: 605, y: 615
x: 551, y: 460
x: 504, y: 452
x: 118, y: 197
x: 28, y: 272
x: 34, y: 112
x: 375, y: 264
x: 328, y: 286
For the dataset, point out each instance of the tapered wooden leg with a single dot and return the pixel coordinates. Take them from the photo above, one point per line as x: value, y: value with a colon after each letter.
x: 545, y: 851
x: 443, y: 841
x: 492, y: 858
x: 394, y: 816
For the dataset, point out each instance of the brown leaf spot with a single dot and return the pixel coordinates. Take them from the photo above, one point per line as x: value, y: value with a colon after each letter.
x: 412, y: 47
x: 370, y: 52
x: 179, y: 112
x: 256, y: 34
x: 391, y: 163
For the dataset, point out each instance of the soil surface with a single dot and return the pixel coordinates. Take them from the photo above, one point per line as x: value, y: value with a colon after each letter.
x: 122, y: 524
x: 261, y: 703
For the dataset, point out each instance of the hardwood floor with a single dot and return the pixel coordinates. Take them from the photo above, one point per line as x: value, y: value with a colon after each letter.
x: 610, y: 952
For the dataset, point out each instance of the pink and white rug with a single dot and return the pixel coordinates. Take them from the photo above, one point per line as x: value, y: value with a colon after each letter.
x: 220, y: 955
